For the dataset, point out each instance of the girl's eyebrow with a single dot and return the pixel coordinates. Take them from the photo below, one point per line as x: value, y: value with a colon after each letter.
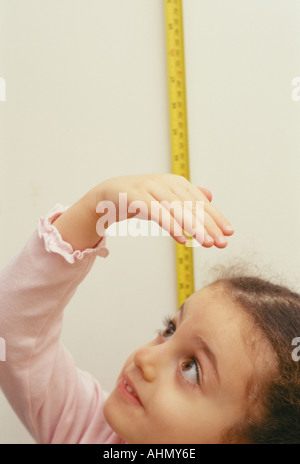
x: 202, y: 344
x: 209, y: 354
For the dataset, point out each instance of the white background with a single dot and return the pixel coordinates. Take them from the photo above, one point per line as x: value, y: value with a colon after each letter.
x: 87, y: 99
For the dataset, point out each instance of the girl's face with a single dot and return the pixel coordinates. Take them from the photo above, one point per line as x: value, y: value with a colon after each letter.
x: 190, y: 383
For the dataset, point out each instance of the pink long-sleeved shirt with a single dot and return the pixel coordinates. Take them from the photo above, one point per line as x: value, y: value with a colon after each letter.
x: 56, y: 401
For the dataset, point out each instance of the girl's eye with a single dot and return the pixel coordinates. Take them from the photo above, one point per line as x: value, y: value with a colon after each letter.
x: 170, y: 328
x: 191, y: 371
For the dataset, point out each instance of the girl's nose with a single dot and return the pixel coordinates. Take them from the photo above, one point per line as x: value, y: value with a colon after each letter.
x: 147, y: 360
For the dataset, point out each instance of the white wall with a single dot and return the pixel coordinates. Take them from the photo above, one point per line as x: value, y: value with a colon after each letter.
x: 86, y: 99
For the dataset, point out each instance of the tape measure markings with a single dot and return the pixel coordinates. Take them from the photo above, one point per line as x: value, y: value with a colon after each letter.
x: 178, y: 131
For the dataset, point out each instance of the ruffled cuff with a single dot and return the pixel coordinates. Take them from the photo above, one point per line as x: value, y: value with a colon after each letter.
x: 55, y: 244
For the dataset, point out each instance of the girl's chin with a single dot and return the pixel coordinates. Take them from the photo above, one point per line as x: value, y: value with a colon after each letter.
x: 112, y: 414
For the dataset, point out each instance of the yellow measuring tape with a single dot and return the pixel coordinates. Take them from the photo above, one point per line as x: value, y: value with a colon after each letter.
x: 178, y: 131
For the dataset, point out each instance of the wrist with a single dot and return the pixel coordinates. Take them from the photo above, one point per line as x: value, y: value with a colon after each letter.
x: 77, y: 225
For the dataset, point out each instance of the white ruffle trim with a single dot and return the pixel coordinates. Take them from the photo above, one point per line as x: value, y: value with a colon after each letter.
x: 55, y: 244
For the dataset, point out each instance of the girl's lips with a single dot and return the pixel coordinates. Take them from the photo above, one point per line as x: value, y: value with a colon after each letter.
x: 126, y: 387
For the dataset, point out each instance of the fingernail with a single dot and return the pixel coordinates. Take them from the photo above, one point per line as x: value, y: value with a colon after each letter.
x: 228, y: 228
x: 183, y: 239
x: 222, y: 240
x: 208, y: 239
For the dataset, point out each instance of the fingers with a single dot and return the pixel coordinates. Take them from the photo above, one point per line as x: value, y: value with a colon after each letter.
x: 216, y: 225
x: 160, y: 213
x: 219, y: 219
x: 206, y: 192
x: 213, y: 213
x: 185, y: 207
x: 178, y: 213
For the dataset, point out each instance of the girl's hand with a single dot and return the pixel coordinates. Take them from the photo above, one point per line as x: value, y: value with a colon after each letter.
x: 78, y: 224
x: 198, y: 216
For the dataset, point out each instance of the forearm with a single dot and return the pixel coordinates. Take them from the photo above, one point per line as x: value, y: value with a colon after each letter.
x: 35, y: 287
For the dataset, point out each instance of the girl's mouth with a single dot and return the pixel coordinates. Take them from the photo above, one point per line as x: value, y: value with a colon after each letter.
x: 126, y: 388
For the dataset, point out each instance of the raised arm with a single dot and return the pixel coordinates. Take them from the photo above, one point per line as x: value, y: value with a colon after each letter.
x: 54, y: 400
x: 57, y: 402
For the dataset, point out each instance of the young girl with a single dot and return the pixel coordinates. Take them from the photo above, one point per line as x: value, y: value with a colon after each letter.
x: 220, y: 371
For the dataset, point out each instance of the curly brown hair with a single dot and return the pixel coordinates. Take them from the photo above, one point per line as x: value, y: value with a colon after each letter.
x: 275, y: 310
